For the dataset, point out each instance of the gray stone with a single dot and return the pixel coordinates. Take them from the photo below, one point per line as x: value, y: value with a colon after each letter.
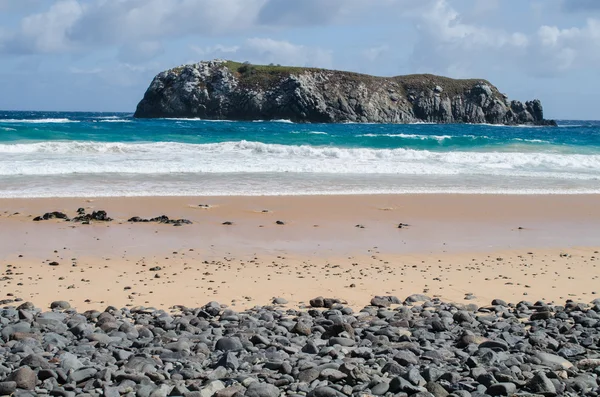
x: 229, y: 361
x: 324, y: 391
x: 436, y: 389
x: 553, y: 361
x: 60, y: 305
x: 406, y: 357
x: 341, y: 341
x: 229, y: 344
x: 308, y: 375
x: 502, y: 389
x: 230, y: 391
x: 211, y: 388
x: 257, y: 389
x: 82, y: 374
x: 24, y: 377
x: 302, y: 328
x: 380, y: 389
x: 280, y: 301
x: 332, y: 375
x: 70, y: 361
x: 542, y: 385
x: 35, y: 361
x: 7, y: 388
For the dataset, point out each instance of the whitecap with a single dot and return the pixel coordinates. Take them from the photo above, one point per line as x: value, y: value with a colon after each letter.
x: 38, y: 121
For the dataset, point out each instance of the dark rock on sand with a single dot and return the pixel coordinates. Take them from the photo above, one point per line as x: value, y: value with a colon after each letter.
x: 60, y: 305
x: 100, y: 216
x: 81, y: 217
x: 161, y: 219
x: 51, y: 215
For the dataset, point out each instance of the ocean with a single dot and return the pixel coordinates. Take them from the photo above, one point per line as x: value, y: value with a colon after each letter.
x: 52, y: 154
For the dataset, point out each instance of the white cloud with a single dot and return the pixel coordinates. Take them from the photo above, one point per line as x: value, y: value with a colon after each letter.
x: 134, y: 20
x: 265, y: 50
x: 374, y: 53
x: 314, y: 12
x: 47, y: 32
x: 570, y: 48
x: 284, y: 52
x: 68, y: 25
x: 448, y: 45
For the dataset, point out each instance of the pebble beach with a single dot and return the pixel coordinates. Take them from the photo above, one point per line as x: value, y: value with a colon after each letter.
x: 395, y: 295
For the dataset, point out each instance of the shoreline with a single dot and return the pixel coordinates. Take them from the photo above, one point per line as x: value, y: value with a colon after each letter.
x: 450, y: 248
x: 508, y: 193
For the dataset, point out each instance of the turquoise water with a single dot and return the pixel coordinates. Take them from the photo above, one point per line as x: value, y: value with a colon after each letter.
x: 112, y: 154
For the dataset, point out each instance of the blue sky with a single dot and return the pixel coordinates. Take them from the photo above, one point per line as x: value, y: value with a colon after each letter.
x: 101, y: 55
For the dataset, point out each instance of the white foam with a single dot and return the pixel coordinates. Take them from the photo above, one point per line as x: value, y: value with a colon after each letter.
x: 38, y: 121
x: 274, y: 121
x: 530, y: 140
x: 68, y: 157
x: 417, y: 136
x: 310, y: 132
x: 115, y: 121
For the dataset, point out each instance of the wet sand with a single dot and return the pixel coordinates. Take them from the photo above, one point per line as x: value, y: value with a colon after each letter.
x: 348, y: 247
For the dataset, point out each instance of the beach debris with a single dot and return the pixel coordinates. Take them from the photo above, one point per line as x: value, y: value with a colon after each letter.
x: 280, y: 223
x: 359, y: 226
x: 402, y: 225
x: 227, y: 223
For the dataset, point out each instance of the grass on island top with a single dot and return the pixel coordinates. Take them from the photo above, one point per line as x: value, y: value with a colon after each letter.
x: 268, y: 76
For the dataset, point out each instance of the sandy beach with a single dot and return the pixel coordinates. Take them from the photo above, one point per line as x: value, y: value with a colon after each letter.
x: 461, y: 248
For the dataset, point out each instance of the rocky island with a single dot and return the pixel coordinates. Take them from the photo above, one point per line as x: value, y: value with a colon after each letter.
x: 226, y: 90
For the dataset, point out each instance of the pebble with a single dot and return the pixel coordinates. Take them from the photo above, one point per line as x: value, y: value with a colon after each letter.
x: 421, y: 348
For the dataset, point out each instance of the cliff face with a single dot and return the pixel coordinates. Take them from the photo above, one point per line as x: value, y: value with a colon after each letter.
x: 233, y: 91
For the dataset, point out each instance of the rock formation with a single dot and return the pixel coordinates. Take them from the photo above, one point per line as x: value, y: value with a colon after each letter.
x: 228, y: 90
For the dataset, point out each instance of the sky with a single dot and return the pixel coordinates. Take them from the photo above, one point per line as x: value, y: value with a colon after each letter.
x: 101, y: 55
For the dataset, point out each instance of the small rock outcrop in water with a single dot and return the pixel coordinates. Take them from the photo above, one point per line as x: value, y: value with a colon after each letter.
x: 422, y: 350
x: 225, y: 90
